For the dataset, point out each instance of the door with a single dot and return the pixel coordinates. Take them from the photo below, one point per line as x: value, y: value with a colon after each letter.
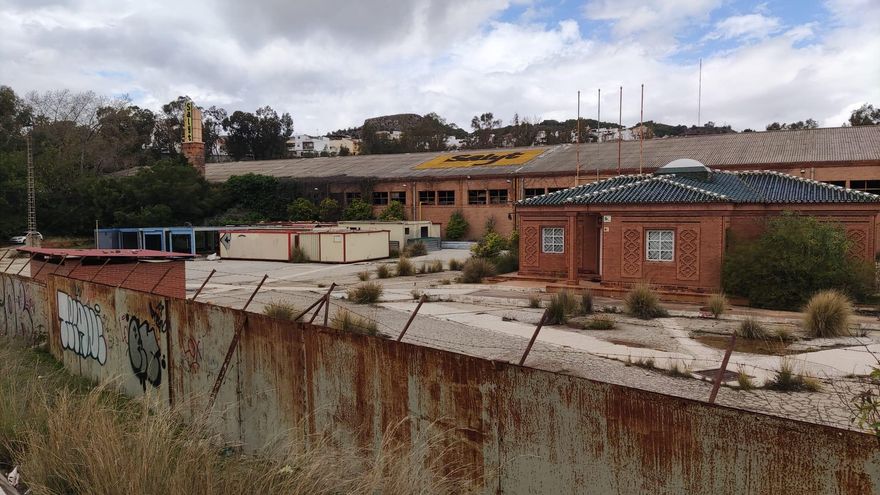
x: 590, y: 228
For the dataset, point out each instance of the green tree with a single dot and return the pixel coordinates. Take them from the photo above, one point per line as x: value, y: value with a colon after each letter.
x: 261, y: 135
x: 329, y: 210
x: 254, y: 192
x: 344, y: 151
x: 483, y: 127
x: 358, y: 210
x: 865, y: 115
x: 457, y: 227
x: 795, y: 257
x: 393, y: 212
x: 302, y: 210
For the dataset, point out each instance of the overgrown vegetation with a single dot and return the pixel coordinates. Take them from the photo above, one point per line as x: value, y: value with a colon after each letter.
x: 455, y: 265
x: 405, y: 267
x: 457, y: 227
x: 281, y: 310
x: 642, y: 302
x: 717, y: 304
x: 534, y: 301
x: 364, y: 276
x: 561, y: 306
x: 502, y: 251
x: 828, y: 315
x: 794, y: 258
x: 751, y: 329
x: 475, y: 270
x: 347, y: 321
x: 744, y: 380
x: 383, y: 271
x: 415, y: 248
x: 600, y: 322
x: 298, y: 255
x: 586, y: 302
x: 787, y: 380
x: 365, y: 293
x: 393, y: 212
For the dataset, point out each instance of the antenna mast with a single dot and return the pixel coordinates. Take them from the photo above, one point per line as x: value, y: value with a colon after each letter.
x: 577, y: 145
x: 619, y: 129
x: 642, y: 130
x: 700, y: 94
x: 31, y: 238
x: 598, y: 130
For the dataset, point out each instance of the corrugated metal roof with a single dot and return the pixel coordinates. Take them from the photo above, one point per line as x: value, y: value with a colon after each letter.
x: 721, y: 187
x: 105, y: 253
x: 751, y: 148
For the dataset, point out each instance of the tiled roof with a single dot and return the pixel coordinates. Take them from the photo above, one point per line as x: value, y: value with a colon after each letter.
x: 721, y: 187
x: 760, y: 149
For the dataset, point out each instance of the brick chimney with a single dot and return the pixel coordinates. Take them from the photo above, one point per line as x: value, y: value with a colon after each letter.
x: 195, y: 155
x: 192, y: 147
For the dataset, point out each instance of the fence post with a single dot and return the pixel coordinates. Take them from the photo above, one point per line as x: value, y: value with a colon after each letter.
x: 722, y: 369
x: 162, y: 277
x: 31, y: 258
x: 534, y: 337
x: 124, y: 280
x: 319, y: 301
x: 99, y: 270
x: 254, y: 294
x: 412, y: 317
x: 213, y: 271
x: 321, y: 305
x: 11, y: 261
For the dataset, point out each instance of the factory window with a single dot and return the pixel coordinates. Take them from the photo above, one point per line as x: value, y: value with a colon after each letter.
x: 661, y: 244
x: 531, y: 192
x: 553, y: 240
x: 351, y: 196
x: 871, y: 186
x: 477, y: 197
x: 554, y: 189
x: 380, y: 198
x: 399, y: 196
x: 427, y: 197
x: 841, y: 183
x: 446, y: 198
x: 497, y: 196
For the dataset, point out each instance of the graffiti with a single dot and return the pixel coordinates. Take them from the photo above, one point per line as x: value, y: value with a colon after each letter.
x: 18, y: 311
x: 144, y: 352
x: 192, y: 355
x: 82, y: 329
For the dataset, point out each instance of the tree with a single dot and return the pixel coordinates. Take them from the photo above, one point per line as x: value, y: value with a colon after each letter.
x: 262, y: 194
x: 483, y: 127
x: 212, y: 124
x: 865, y: 115
x: 808, y: 124
x: 329, y: 210
x: 123, y: 134
x: 457, y: 227
x: 429, y: 134
x: 261, y: 135
x: 794, y: 258
x: 358, y: 210
x: 344, y: 151
x: 394, y: 212
x: 302, y: 210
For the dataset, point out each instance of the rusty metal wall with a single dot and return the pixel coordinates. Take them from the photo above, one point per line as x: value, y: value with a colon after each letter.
x: 23, y: 308
x: 519, y: 430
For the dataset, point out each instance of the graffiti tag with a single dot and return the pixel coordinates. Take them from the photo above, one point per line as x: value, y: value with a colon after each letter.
x: 144, y: 353
x: 192, y: 354
x: 82, y: 329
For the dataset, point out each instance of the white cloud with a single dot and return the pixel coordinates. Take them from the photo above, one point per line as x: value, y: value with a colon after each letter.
x: 748, y: 27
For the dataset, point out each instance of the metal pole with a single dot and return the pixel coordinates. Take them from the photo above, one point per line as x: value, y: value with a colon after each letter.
x: 412, y: 317
x: 722, y: 369
x: 577, y: 144
x: 327, y: 310
x: 40, y: 270
x: 129, y: 274
x: 99, y: 270
x: 221, y: 375
x: 598, y: 130
x: 619, y: 129
x: 534, y: 337
x: 204, y: 284
x: 5, y: 252
x: 641, y: 130
x: 254, y: 294
x: 162, y: 278
x: 31, y: 258
x: 320, y: 303
x: 11, y: 261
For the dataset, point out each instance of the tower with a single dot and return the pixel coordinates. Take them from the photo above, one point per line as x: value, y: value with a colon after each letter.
x: 192, y: 147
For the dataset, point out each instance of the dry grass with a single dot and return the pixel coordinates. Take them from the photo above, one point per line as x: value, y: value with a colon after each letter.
x: 435, y: 266
x: 586, y: 306
x: 364, y: 276
x: 405, y: 267
x: 744, y: 380
x: 828, y: 314
x: 787, y: 380
x: 281, y: 310
x: 383, y: 271
x: 752, y: 329
x: 642, y: 302
x: 600, y: 322
x: 534, y: 301
x: 718, y: 304
x: 347, y: 321
x: 679, y: 369
x: 455, y: 265
x: 366, y: 293
x: 476, y: 269
x: 562, y: 305
x: 70, y: 440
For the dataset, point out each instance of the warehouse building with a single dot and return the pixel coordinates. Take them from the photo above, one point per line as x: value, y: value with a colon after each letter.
x: 486, y: 185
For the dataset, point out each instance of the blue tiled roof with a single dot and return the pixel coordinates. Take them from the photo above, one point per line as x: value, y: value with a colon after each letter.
x: 720, y: 187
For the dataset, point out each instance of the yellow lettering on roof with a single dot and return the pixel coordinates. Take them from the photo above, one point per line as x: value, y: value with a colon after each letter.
x: 494, y: 159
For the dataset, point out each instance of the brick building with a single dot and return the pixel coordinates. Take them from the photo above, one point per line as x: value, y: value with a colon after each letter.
x: 670, y: 228
x: 488, y: 184
x: 158, y: 272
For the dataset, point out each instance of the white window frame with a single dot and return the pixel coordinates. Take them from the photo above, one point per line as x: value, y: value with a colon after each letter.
x: 553, y: 240
x: 660, y: 245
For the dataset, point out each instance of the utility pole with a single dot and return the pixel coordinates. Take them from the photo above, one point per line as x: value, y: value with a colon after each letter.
x: 598, y: 129
x: 577, y: 145
x: 619, y: 129
x: 32, y: 238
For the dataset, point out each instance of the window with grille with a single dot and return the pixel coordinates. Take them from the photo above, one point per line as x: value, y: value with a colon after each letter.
x: 477, y: 197
x: 427, y: 197
x: 497, y: 196
x: 661, y: 245
x: 553, y: 240
x: 380, y: 198
x: 399, y: 196
x: 446, y: 198
x: 531, y: 192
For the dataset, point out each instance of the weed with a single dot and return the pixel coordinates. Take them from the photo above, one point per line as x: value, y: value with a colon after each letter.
x: 435, y: 266
x: 455, y: 265
x: 561, y: 306
x: 416, y: 294
x: 383, y: 271
x: 476, y: 269
x: 297, y: 255
x: 506, y: 262
x: 405, y: 267
x: 280, y: 310
x: 744, y: 380
x: 751, y: 329
x: 786, y: 380
x: 422, y: 269
x: 347, y: 321
x: 534, y: 301
x: 647, y: 363
x: 642, y: 302
x: 600, y: 322
x: 364, y: 276
x: 416, y: 248
x: 586, y: 306
x: 366, y: 293
x: 445, y: 281
x: 784, y: 334
x: 810, y: 383
x: 827, y: 314
x: 679, y: 369
x: 718, y: 304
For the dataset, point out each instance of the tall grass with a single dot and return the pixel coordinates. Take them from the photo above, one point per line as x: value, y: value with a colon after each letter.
x: 718, y: 304
x: 828, y: 314
x: 476, y: 269
x: 365, y: 293
x: 642, y: 302
x: 347, y: 321
x: 752, y: 329
x: 562, y: 305
x: 383, y: 271
x: 281, y: 310
x: 405, y: 267
x: 455, y: 265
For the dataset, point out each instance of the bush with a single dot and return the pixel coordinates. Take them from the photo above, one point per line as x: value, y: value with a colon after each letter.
x: 366, y: 293
x: 457, y: 227
x: 744, y: 380
x: 794, y: 258
x: 358, y: 210
x: 382, y: 271
x: 642, y: 302
x: 329, y: 210
x: 717, y: 304
x: 416, y: 294
x: 302, y: 210
x: 828, y: 314
x: 416, y: 248
x: 297, y: 255
x: 280, y: 310
x: 586, y: 306
x: 435, y: 266
x: 364, y: 276
x: 506, y: 262
x: 347, y: 321
x: 405, y: 267
x: 476, y: 269
x: 561, y: 306
x: 534, y: 301
x: 600, y: 322
x: 455, y: 265
x: 786, y: 380
x: 490, y: 246
x: 751, y: 329
x: 393, y: 212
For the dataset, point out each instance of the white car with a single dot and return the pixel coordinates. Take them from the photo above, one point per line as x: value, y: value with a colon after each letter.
x: 20, y: 239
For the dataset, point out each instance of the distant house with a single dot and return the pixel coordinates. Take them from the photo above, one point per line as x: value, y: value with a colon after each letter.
x: 304, y: 145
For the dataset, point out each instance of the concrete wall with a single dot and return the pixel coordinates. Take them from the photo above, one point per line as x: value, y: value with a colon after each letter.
x: 521, y: 430
x: 24, y: 311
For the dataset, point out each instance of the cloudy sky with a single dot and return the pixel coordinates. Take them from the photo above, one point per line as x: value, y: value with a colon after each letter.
x: 332, y: 63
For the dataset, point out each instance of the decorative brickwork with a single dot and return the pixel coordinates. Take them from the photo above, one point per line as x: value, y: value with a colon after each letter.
x: 632, y: 253
x: 688, y: 255
x: 530, y: 246
x: 858, y: 243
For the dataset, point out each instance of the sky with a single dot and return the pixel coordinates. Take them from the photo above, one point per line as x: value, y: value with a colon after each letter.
x: 333, y: 63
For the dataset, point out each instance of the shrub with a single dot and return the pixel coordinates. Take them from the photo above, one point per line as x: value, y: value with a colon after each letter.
x: 366, y: 293
x: 561, y: 306
x: 395, y: 253
x: 506, y: 262
x: 297, y: 255
x: 329, y: 210
x: 382, y: 271
x: 744, y: 380
x: 786, y: 380
x: 393, y: 212
x: 679, y: 369
x: 416, y: 248
x: 280, y: 310
x: 489, y: 246
x: 422, y: 269
x: 347, y: 321
x: 416, y: 294
x: 827, y: 314
x: 534, y: 301
x: 405, y: 267
x: 435, y: 266
x: 457, y: 227
x: 795, y: 257
x: 364, y: 276
x: 476, y: 269
x: 717, y: 304
x: 358, y: 210
x: 642, y: 302
x: 751, y: 329
x: 600, y: 322
x: 586, y: 306
x: 302, y: 210
x: 455, y: 265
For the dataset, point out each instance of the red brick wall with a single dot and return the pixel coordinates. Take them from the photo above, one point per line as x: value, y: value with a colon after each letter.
x: 533, y: 259
x: 142, y: 277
